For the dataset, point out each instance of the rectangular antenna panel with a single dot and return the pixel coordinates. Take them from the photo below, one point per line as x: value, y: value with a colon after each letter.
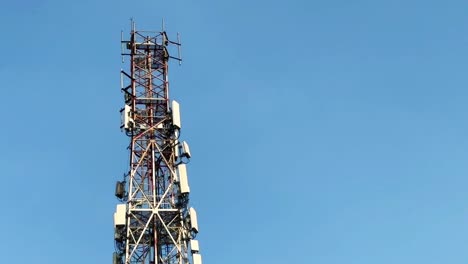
x: 126, y: 117
x: 197, y: 258
x: 176, y: 114
x: 186, y: 149
x: 119, y: 215
x: 193, y: 219
x: 194, y: 246
x: 183, y: 179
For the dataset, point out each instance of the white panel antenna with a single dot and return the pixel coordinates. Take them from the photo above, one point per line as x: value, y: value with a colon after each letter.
x: 183, y: 179
x: 127, y: 121
x: 176, y: 114
x: 193, y: 219
x: 197, y: 258
x: 120, y: 215
x: 186, y: 149
x: 194, y: 246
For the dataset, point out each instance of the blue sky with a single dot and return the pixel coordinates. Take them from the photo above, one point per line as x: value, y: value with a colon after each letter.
x: 323, y: 132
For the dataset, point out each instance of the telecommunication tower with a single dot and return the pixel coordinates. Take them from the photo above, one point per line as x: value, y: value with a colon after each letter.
x: 153, y: 224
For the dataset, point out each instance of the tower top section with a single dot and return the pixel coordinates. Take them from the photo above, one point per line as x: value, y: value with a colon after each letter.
x: 143, y: 42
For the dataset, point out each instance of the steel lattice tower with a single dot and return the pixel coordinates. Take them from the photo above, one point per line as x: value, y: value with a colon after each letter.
x: 153, y: 224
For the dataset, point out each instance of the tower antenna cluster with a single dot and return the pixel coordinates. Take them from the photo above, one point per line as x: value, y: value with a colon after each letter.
x: 153, y: 222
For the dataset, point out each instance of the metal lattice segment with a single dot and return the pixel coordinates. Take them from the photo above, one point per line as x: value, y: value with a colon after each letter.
x: 157, y: 227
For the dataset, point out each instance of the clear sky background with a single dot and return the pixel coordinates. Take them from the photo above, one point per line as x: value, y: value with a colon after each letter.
x: 322, y: 132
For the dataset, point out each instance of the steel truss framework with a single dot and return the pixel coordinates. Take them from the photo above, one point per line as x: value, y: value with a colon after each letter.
x: 157, y: 229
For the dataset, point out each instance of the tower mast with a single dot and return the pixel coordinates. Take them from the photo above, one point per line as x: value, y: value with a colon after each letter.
x: 153, y: 223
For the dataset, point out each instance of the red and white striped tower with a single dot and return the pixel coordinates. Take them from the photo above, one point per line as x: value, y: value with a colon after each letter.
x: 153, y: 223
